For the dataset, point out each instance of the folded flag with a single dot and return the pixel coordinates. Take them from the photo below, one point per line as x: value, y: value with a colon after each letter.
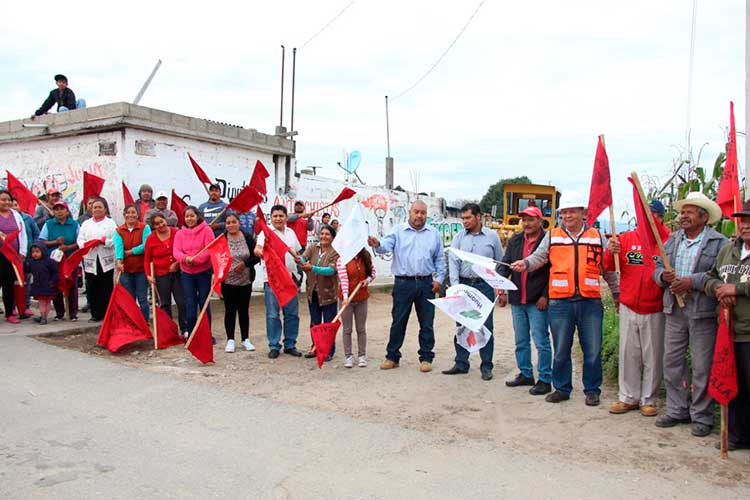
x: 200, y: 344
x: 279, y: 279
x: 728, y: 197
x: 221, y: 260
x: 465, y: 305
x: 722, y: 382
x: 472, y: 340
x: 178, y: 206
x: 323, y: 336
x: 123, y: 322
x: 258, y: 179
x: 70, y: 263
x: 27, y: 201
x: 167, y: 331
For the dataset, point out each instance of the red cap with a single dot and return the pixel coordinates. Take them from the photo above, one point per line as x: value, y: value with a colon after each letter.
x: 53, y: 190
x: 60, y: 203
x: 531, y: 211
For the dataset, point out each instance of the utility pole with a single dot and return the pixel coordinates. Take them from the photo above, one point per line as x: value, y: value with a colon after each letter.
x: 388, y: 158
x: 281, y: 110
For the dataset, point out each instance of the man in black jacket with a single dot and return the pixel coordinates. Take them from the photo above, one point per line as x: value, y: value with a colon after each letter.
x: 63, y: 96
x: 529, y: 305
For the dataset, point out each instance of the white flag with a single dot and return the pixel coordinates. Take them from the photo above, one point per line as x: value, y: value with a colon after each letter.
x: 473, y: 258
x: 466, y: 305
x: 353, y: 235
x: 472, y: 340
x: 493, y: 279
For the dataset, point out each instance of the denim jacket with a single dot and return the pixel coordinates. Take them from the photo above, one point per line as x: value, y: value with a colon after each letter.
x: 698, y: 305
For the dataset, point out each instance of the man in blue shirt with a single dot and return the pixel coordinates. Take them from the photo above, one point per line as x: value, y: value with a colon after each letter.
x: 478, y: 240
x: 214, y: 208
x: 417, y: 255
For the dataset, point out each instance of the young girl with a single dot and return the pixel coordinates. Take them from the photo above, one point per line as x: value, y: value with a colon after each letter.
x: 41, y: 274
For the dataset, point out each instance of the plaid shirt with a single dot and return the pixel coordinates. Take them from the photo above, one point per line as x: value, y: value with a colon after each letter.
x: 686, y: 253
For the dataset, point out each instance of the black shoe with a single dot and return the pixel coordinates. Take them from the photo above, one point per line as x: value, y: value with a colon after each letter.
x: 85, y: 309
x: 213, y: 340
x: 292, y: 351
x: 273, y: 353
x: 310, y: 355
x: 667, y: 421
x: 557, y: 397
x: 38, y: 319
x: 519, y: 381
x: 91, y: 320
x: 732, y: 446
x: 24, y: 316
x: 592, y: 399
x: 701, y: 430
x: 328, y: 358
x: 486, y: 374
x: 540, y: 388
x: 455, y: 370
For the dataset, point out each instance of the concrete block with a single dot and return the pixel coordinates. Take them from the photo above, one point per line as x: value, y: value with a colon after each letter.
x: 215, y: 128
x: 140, y: 112
x: 181, y: 121
x: 245, y: 135
x: 198, y: 124
x: 4, y: 128
x: 99, y: 112
x: 163, y: 117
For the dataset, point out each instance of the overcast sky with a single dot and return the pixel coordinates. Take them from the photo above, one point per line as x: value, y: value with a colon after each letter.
x: 526, y: 89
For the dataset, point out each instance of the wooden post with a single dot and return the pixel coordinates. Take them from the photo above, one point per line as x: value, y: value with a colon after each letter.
x: 346, y: 304
x: 200, y: 316
x: 153, y: 306
x: 654, y: 231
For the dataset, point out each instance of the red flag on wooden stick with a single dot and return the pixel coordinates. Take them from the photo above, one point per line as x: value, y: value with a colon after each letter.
x: 199, y: 171
x: 722, y: 383
x: 258, y: 179
x: 92, y: 186
x: 274, y: 240
x: 126, y: 196
x: 178, y: 206
x: 600, y: 193
x: 246, y: 199
x: 728, y: 197
x: 324, y: 335
x: 221, y: 260
x: 27, y: 201
x: 345, y: 194
x: 123, y: 323
x: 167, y: 331
x: 10, y: 253
x: 645, y: 235
x: 201, y: 345
x: 260, y: 222
x: 279, y: 279
x: 70, y: 263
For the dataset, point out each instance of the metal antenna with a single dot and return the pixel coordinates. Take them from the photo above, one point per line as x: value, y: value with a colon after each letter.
x: 147, y: 83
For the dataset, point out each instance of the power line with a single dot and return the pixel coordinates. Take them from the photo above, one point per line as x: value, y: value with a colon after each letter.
x: 327, y: 24
x: 445, y: 52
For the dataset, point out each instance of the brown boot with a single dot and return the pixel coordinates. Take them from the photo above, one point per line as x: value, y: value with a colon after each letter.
x: 618, y: 408
x: 388, y: 364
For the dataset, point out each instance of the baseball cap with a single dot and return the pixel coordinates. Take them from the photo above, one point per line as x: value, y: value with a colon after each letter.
x: 60, y: 204
x: 657, y: 207
x: 161, y: 194
x: 531, y: 211
x: 53, y: 190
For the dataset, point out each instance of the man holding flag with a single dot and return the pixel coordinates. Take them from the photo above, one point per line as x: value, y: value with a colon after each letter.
x: 729, y: 282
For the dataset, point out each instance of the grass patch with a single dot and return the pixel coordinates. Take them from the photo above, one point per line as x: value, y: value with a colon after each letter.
x: 610, y: 339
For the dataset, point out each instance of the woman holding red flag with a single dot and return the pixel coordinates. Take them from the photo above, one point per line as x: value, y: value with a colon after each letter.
x: 237, y: 286
x: 130, y: 240
x: 166, y: 277
x: 99, y: 263
x: 195, y: 266
x: 322, y: 282
x: 61, y: 233
x: 10, y: 221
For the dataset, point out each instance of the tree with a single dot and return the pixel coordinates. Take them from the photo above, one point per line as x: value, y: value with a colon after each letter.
x: 494, y: 195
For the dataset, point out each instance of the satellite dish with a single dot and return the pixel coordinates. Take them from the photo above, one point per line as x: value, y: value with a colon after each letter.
x: 352, y: 163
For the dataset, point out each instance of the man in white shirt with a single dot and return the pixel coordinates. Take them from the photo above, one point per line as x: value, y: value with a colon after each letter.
x: 291, y: 310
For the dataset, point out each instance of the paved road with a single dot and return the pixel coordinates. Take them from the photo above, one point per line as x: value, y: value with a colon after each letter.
x: 77, y: 427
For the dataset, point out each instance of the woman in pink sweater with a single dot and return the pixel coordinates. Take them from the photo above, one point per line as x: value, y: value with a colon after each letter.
x: 196, y: 271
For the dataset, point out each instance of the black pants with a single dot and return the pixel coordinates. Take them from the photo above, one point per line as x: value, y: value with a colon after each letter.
x: 739, y: 407
x: 236, y: 303
x: 169, y: 286
x: 100, y: 287
x: 7, y: 278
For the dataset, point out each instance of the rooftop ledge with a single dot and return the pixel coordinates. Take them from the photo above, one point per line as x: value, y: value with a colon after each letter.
x: 122, y: 115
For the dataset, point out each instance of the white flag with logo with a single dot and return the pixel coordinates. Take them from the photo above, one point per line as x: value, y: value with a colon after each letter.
x: 493, y: 279
x: 472, y: 340
x: 473, y: 258
x: 353, y: 235
x: 466, y: 305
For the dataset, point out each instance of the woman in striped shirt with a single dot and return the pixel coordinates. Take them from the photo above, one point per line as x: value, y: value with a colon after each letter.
x: 359, y: 269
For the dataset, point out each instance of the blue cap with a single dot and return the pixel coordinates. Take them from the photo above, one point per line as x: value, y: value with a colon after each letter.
x: 657, y: 207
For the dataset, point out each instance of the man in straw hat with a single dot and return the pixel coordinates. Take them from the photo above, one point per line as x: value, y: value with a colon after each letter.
x: 692, y: 250
x: 574, y: 251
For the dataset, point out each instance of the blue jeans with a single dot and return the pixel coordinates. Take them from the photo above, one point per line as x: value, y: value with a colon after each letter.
x: 486, y: 352
x: 322, y: 314
x: 529, y: 322
x: 196, y: 288
x: 135, y: 283
x: 80, y: 104
x: 408, y: 292
x: 565, y: 316
x: 273, y: 320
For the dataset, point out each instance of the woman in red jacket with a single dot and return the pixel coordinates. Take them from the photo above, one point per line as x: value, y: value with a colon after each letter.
x: 166, y: 275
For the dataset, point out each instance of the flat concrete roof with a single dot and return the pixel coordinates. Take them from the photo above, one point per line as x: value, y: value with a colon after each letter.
x: 121, y: 115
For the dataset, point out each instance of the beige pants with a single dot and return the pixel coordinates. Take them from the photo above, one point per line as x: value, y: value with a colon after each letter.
x: 641, y: 354
x: 358, y: 312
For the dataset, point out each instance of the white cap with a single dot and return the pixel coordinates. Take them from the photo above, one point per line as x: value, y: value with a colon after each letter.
x: 161, y: 194
x: 571, y: 200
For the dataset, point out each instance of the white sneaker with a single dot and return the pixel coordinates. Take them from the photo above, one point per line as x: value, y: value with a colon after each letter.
x: 230, y: 346
x: 362, y: 361
x: 186, y: 335
x: 349, y: 362
x: 248, y: 345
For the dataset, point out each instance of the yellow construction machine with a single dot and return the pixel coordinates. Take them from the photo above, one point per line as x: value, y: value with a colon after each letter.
x: 516, y: 198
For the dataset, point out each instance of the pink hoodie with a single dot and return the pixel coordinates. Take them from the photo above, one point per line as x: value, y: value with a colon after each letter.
x: 190, y: 241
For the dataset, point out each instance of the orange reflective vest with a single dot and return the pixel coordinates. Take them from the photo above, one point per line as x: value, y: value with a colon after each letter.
x: 575, y: 264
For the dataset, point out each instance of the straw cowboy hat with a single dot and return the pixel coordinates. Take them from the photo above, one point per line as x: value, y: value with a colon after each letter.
x: 702, y: 201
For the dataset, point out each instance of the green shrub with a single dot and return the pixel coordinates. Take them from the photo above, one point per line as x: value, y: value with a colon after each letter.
x: 610, y: 340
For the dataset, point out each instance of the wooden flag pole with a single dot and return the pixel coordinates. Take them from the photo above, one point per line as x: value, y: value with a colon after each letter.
x: 202, y: 313
x: 223, y: 210
x: 206, y: 247
x: 654, y: 231
x: 724, y: 413
x: 153, y: 305
x: 346, y: 304
x: 612, y: 216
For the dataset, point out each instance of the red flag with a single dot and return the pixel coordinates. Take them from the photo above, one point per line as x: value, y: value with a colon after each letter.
x: 722, y: 383
x: 199, y: 171
x: 178, y: 207
x: 27, y: 201
x: 324, y: 335
x: 279, y: 279
x: 123, y: 323
x: 643, y: 228
x: 246, y: 199
x: 126, y: 196
x: 167, y: 331
x: 221, y: 260
x: 201, y: 345
x: 600, y: 193
x: 70, y: 263
x: 345, y: 194
x: 258, y: 179
x: 729, y: 198
x: 92, y: 186
x: 11, y: 254
x: 260, y: 221
x: 275, y: 241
